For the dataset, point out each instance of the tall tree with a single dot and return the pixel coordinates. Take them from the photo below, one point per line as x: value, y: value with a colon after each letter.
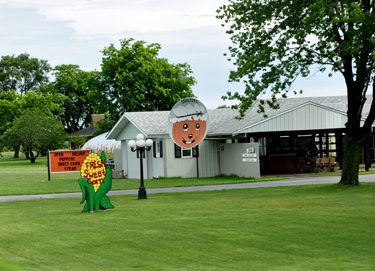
x: 84, y: 95
x: 276, y: 41
x: 36, y: 131
x: 139, y: 80
x: 22, y: 73
x: 9, y: 109
x: 12, y: 105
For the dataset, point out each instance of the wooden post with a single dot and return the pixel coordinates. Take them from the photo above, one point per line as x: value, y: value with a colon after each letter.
x: 197, y: 167
x: 49, y: 169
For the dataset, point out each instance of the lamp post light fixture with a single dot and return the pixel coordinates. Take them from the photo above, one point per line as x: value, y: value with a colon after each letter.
x: 141, y: 146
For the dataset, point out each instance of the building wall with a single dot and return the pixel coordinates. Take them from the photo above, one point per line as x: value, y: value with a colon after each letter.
x: 155, y: 164
x: 206, y: 164
x: 124, y: 154
x: 308, y: 117
x: 117, y: 157
x: 241, y: 159
x: 134, y: 167
x: 130, y: 162
x: 152, y: 166
x: 129, y: 133
x: 208, y: 159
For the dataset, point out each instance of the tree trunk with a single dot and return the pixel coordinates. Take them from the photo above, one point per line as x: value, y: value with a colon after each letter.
x: 16, y: 153
x: 352, y: 159
x: 31, y: 157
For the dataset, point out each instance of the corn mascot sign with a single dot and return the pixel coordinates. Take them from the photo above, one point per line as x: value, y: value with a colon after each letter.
x: 95, y: 182
x: 188, y: 123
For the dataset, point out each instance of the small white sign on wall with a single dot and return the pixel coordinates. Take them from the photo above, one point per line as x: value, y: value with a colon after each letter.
x: 249, y: 155
x: 250, y: 150
x: 251, y: 160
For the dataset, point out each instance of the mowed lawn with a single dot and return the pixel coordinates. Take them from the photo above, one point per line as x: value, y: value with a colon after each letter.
x: 20, y: 177
x: 321, y: 227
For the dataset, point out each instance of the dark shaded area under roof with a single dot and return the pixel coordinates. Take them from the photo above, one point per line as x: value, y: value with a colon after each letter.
x: 88, y: 131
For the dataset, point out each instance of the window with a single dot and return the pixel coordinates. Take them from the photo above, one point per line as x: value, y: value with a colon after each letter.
x: 185, y: 153
x: 158, y: 149
x: 177, y: 151
x: 262, y: 146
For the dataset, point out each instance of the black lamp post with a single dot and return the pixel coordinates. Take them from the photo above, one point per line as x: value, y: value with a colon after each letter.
x: 141, y: 145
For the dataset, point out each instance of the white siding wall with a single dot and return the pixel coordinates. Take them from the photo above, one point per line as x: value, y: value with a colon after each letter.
x: 151, y: 166
x: 124, y: 157
x: 308, y: 117
x: 187, y: 167
x: 156, y: 164
x: 232, y: 160
x: 131, y: 163
x: 208, y: 159
x: 130, y: 132
x: 178, y: 166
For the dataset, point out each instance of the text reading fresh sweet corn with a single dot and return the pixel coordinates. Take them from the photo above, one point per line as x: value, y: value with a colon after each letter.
x: 93, y: 168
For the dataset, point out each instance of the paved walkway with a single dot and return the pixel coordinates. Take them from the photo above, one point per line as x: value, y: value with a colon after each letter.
x: 293, y: 180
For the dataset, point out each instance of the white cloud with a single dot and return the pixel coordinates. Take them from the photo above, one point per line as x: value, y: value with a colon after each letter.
x: 75, y: 31
x: 113, y: 16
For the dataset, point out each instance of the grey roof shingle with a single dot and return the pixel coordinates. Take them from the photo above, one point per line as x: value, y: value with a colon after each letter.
x: 88, y: 131
x: 224, y: 122
x: 151, y: 123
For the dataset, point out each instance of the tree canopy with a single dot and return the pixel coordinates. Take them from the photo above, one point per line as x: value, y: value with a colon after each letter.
x: 36, y: 131
x: 137, y: 79
x: 23, y: 73
x: 12, y: 105
x: 276, y: 41
x: 84, y: 92
x: 133, y: 78
x: 9, y: 109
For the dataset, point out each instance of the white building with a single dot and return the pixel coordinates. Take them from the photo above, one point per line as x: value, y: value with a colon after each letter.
x: 240, y: 147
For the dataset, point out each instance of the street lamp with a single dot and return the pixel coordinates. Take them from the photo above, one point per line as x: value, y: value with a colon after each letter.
x: 141, y: 145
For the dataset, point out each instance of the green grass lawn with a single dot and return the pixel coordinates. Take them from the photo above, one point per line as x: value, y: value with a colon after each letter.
x: 20, y: 177
x: 320, y: 227
x: 338, y: 173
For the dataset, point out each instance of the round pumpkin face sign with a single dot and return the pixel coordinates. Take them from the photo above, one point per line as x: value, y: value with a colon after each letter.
x: 188, y: 123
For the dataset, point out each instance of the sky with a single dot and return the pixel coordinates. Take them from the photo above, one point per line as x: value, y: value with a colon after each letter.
x: 76, y: 31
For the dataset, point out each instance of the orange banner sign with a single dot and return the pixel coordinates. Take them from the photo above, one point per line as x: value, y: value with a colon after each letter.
x: 66, y: 161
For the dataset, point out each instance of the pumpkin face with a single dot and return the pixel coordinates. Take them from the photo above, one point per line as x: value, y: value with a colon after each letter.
x: 189, y: 133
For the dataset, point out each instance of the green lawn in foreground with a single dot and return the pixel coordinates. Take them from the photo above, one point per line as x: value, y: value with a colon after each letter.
x: 338, y: 173
x: 320, y: 227
x: 20, y: 177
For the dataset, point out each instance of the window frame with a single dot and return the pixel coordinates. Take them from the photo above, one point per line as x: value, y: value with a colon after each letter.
x: 179, y: 152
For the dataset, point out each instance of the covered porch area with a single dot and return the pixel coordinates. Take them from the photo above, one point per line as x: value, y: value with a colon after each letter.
x: 306, y: 151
